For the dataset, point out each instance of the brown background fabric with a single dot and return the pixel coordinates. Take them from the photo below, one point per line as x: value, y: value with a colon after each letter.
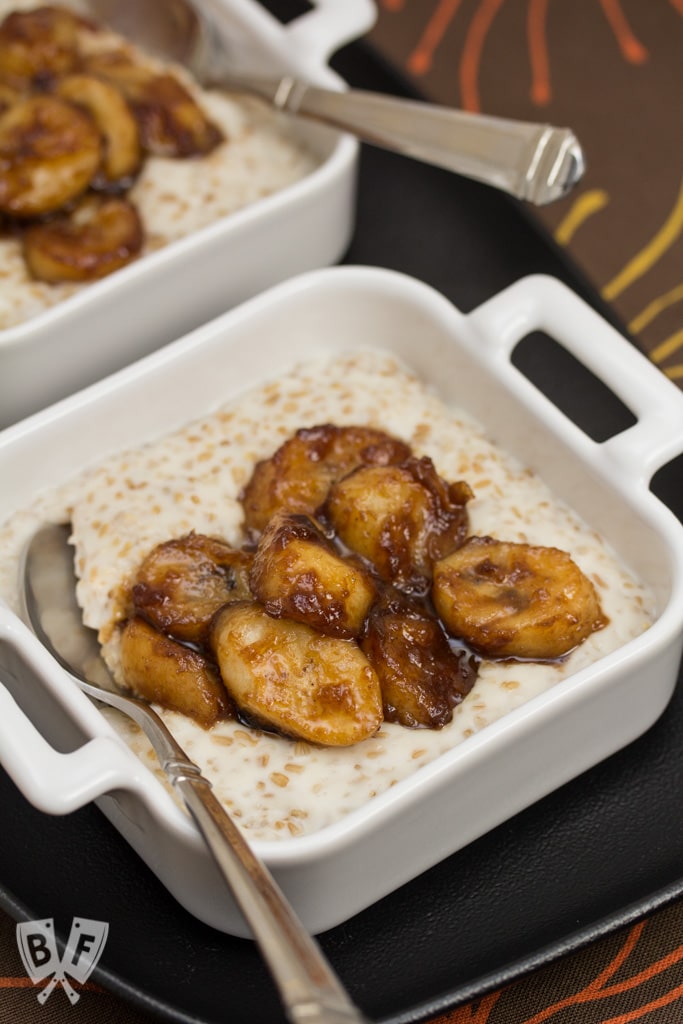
x: 612, y: 70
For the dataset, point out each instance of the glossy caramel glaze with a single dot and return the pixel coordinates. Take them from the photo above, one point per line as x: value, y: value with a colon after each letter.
x: 39, y: 45
x: 287, y: 676
x: 516, y: 600
x: 97, y: 237
x: 78, y: 118
x: 401, y: 518
x: 182, y: 584
x: 298, y: 574
x: 161, y: 670
x: 49, y: 151
x: 422, y: 677
x: 171, y: 122
x: 116, y: 123
x: 381, y: 600
x: 299, y: 474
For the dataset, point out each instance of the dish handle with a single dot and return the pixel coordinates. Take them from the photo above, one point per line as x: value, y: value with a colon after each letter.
x: 54, y: 782
x: 540, y: 302
x: 329, y: 26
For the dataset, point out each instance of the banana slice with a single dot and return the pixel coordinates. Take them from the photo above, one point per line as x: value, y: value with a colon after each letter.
x: 158, y: 669
x: 171, y: 122
x: 298, y: 476
x: 49, y: 152
x: 421, y: 677
x: 99, y: 237
x: 117, y: 125
x: 401, y: 518
x: 511, y: 600
x: 8, y: 97
x: 287, y: 677
x: 182, y: 583
x: 298, y: 575
x: 38, y: 45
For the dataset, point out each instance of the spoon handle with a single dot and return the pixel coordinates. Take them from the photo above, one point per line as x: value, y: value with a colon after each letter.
x: 531, y: 161
x: 310, y: 990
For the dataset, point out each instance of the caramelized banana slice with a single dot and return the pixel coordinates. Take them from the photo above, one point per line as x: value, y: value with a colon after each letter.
x: 182, y: 583
x: 98, y: 237
x: 297, y: 574
x: 514, y: 600
x: 8, y: 97
x: 400, y: 518
x: 115, y: 121
x: 422, y: 678
x: 287, y: 677
x: 298, y: 476
x: 38, y: 45
x: 171, y: 122
x: 158, y: 669
x: 49, y: 151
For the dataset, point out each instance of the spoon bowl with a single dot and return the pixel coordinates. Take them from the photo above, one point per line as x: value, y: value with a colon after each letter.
x: 535, y: 162
x: 309, y: 988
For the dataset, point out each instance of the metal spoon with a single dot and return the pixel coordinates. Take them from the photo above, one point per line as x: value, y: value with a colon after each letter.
x: 535, y: 162
x: 310, y: 990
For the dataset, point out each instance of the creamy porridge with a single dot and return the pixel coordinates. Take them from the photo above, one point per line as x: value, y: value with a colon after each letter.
x: 191, y: 480
x: 174, y: 197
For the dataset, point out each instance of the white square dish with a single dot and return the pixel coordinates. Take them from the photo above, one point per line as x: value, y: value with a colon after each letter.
x: 169, y: 291
x: 62, y: 753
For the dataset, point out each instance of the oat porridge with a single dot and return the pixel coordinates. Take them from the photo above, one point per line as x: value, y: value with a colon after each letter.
x: 246, y: 154
x: 192, y: 480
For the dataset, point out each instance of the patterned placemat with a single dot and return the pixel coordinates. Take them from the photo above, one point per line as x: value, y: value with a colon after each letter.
x: 612, y: 70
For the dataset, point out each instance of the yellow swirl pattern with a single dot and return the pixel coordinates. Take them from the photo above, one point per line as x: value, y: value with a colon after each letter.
x: 584, y: 207
x: 666, y: 348
x: 648, y: 256
x: 654, y: 308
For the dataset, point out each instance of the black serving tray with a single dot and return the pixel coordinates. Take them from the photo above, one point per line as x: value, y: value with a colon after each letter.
x: 600, y: 852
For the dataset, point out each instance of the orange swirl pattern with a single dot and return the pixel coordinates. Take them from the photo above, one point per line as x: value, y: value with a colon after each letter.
x: 630, y: 983
x: 538, y: 52
x: 611, y: 69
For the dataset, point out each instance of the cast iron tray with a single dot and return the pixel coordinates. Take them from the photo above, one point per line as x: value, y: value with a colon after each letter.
x: 572, y: 867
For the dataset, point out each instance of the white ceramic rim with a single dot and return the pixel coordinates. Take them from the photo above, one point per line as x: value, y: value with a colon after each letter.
x: 628, y: 460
